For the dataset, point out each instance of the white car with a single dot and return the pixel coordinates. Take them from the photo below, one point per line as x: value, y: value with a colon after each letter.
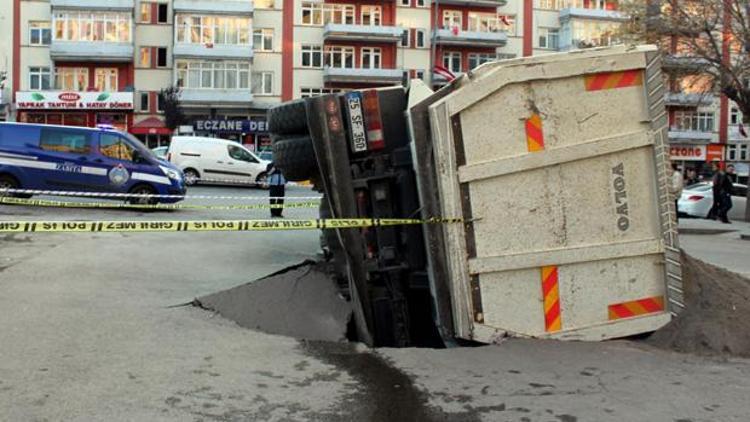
x: 218, y: 161
x: 697, y: 199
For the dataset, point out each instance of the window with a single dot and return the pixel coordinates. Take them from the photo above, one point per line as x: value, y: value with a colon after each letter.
x: 39, y: 33
x: 371, y: 15
x: 421, y: 3
x: 586, y: 33
x: 263, y: 83
x: 264, y: 4
x: 213, y: 74
x: 452, y: 61
x: 312, y: 56
x: 161, y: 57
x: 452, y: 19
x: 40, y: 78
x: 314, y: 92
x: 405, y: 38
x: 339, y: 57
x: 61, y: 140
x: 72, y: 78
x: 145, y: 14
x: 549, y: 38
x: 193, y: 29
x: 406, y: 3
x: 144, y: 57
x: 93, y: 26
x: 160, y: 103
x: 241, y: 154
x: 420, y: 38
x: 114, y: 146
x: 694, y: 121
x: 735, y: 116
x: 475, y: 59
x: 144, y: 100
x: 549, y: 4
x: 419, y: 74
x: 105, y: 79
x: 738, y: 152
x: 324, y: 13
x: 486, y: 22
x: 371, y: 58
x: 263, y: 39
x: 162, y: 15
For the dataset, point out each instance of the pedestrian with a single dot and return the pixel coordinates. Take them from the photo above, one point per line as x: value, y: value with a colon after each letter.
x: 731, y: 173
x: 722, y: 194
x: 276, y: 190
x: 676, y: 183
x: 692, y: 178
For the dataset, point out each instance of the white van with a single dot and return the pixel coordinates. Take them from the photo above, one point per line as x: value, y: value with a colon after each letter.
x: 214, y: 160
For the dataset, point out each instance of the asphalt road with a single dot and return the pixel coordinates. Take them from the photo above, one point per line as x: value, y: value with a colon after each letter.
x: 92, y: 329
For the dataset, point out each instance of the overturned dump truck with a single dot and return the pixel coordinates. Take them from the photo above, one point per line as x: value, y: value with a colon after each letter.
x: 557, y: 167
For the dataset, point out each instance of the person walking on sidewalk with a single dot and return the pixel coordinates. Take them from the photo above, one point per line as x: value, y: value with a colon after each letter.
x: 676, y: 184
x: 276, y: 190
x: 722, y: 193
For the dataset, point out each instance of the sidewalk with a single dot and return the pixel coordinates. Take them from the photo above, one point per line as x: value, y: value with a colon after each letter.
x: 724, y: 245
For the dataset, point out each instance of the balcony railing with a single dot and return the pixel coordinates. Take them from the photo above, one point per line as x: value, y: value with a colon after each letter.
x: 114, y: 5
x: 214, y: 51
x: 585, y: 13
x: 471, y: 38
x: 689, y: 135
x: 89, y: 51
x: 475, y: 3
x: 240, y: 97
x: 375, y: 33
x: 221, y: 7
x: 374, y: 76
x: 681, y: 99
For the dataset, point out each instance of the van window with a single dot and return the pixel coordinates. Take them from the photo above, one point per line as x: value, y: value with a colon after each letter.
x: 65, y: 140
x: 116, y: 147
x: 239, y: 153
x: 16, y: 136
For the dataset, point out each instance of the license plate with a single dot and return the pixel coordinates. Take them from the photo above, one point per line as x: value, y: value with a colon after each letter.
x: 356, y: 122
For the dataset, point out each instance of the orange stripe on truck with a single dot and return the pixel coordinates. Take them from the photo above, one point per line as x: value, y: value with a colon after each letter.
x: 534, y: 134
x: 612, y: 80
x: 638, y: 307
x: 551, y: 295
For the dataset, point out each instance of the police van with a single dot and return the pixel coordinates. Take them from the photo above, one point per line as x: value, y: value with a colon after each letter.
x: 101, y: 159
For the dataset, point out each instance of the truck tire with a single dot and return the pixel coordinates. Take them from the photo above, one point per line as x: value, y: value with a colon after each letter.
x: 289, y: 117
x: 295, y: 158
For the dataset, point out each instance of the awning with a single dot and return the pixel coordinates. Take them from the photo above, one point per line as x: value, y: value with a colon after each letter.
x: 150, y: 126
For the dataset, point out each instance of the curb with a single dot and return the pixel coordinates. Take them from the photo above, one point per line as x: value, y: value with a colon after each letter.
x: 697, y: 231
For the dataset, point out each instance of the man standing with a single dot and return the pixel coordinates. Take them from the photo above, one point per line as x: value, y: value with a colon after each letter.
x: 276, y: 191
x: 722, y: 192
x: 676, y: 186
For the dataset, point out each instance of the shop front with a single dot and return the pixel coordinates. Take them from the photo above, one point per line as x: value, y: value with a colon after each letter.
x: 76, y: 108
x: 696, y: 157
x: 253, y: 132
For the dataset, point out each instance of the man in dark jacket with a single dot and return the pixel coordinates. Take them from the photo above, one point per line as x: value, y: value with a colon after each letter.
x: 722, y: 192
x: 276, y: 189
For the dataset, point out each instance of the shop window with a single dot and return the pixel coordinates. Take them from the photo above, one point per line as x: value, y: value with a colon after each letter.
x: 40, y: 78
x: 161, y: 57
x: 67, y: 141
x: 39, y: 33
x: 162, y: 13
x: 114, y: 146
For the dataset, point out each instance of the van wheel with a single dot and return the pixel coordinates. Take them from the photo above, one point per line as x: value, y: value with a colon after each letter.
x: 191, y: 177
x: 143, y: 200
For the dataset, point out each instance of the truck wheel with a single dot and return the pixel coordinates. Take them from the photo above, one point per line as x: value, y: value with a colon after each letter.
x: 295, y: 158
x: 289, y: 117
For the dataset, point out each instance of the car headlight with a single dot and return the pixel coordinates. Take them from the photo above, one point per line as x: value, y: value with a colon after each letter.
x: 172, y: 174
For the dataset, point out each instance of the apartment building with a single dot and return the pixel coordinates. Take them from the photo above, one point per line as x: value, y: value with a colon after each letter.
x: 88, y: 62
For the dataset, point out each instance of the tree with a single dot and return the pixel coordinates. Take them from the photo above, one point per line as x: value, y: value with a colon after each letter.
x: 710, y: 39
x: 173, y: 114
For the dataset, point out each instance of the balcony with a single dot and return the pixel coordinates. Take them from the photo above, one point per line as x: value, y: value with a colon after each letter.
x: 474, y: 3
x: 681, y: 99
x: 219, y: 7
x: 368, y: 76
x: 689, y: 136
x: 113, y: 5
x: 569, y: 13
x: 218, y: 97
x: 685, y: 64
x: 374, y: 33
x: 91, y: 51
x: 214, y: 51
x: 471, y: 38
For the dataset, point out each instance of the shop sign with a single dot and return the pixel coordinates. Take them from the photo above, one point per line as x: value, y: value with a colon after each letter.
x: 230, y: 126
x: 714, y: 152
x: 687, y: 152
x: 62, y: 100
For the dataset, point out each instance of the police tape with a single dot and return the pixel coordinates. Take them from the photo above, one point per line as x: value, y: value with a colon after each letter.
x: 117, y: 205
x: 210, y: 225
x: 4, y: 191
x: 246, y: 182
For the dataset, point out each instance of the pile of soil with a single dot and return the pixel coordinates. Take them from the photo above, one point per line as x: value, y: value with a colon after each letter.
x: 716, y: 319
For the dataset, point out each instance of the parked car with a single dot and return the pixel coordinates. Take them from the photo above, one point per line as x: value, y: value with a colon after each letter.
x: 160, y: 152
x: 102, y: 159
x: 212, y: 160
x: 697, y: 199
